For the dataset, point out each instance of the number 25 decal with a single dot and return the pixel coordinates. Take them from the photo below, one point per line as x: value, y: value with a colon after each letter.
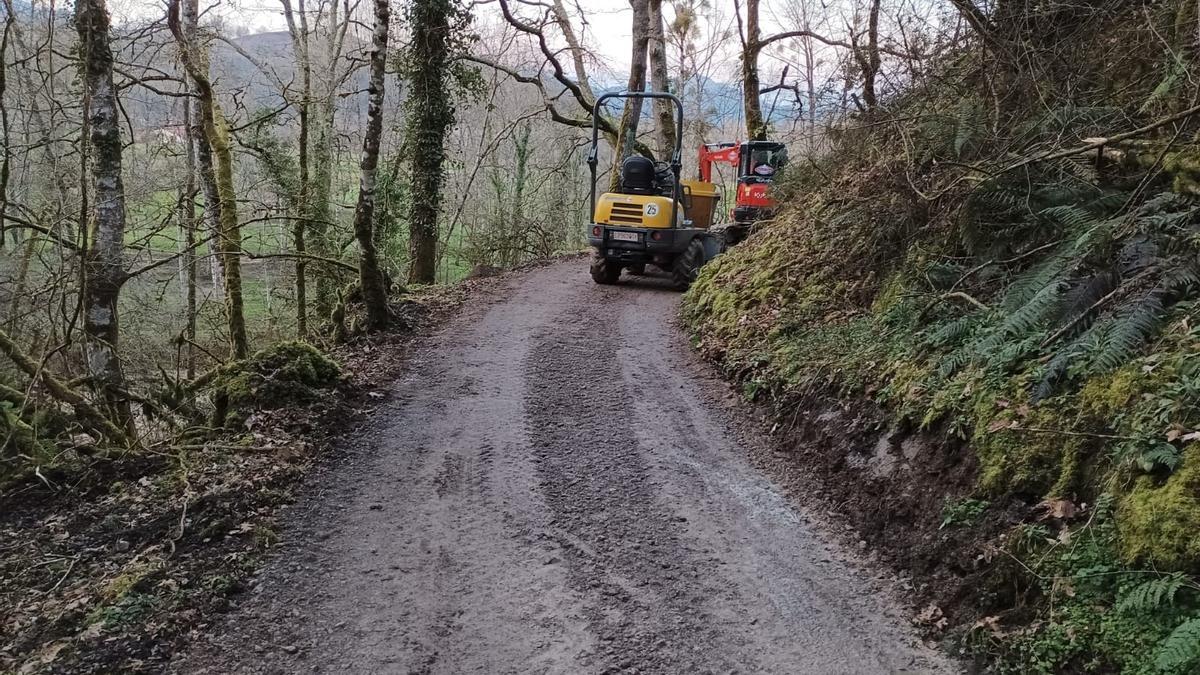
x: 651, y: 209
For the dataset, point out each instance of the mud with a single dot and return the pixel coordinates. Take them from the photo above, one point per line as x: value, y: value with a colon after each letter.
x: 557, y: 486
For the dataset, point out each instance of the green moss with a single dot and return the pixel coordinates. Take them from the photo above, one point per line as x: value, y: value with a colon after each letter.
x: 1023, y: 461
x: 17, y: 436
x: 131, y: 579
x: 1104, y: 396
x: 283, y: 374
x: 1159, y: 521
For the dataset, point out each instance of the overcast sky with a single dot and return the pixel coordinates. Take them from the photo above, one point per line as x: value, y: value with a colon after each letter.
x: 607, y: 33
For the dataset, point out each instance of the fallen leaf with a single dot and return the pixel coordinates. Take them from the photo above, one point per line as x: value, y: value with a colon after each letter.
x: 932, y: 616
x: 49, y: 654
x: 997, y: 425
x: 989, y: 623
x: 1061, y: 509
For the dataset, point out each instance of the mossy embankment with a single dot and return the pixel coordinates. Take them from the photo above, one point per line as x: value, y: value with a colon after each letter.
x: 994, y: 362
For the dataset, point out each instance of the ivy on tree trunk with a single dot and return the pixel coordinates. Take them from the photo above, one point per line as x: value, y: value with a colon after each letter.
x: 429, y: 118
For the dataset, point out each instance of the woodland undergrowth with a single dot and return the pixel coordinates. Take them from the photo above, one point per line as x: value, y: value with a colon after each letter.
x: 958, y: 258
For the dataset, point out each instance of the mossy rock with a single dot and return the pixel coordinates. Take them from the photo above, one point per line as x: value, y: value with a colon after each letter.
x: 28, y: 432
x: 287, y: 373
x: 1159, y: 521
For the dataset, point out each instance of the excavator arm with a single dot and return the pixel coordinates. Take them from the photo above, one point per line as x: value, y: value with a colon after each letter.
x: 722, y: 153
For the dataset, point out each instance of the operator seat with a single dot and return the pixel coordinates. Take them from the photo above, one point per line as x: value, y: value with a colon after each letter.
x: 637, y: 176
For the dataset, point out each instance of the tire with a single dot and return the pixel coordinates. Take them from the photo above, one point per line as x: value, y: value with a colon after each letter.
x: 605, y: 271
x: 687, y: 264
x: 734, y: 234
x: 637, y: 270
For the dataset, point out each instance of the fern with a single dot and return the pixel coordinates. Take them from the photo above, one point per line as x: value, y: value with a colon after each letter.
x: 1069, y: 190
x: 1081, y: 120
x: 953, y: 363
x: 969, y: 125
x: 1081, y: 168
x: 999, y: 200
x: 1012, y: 353
x: 1058, y: 366
x: 1167, y: 201
x: 1109, y: 204
x: 953, y: 332
x: 1181, y: 648
x: 943, y: 275
x: 1151, y: 595
x: 1033, y: 281
x: 1183, y: 279
x: 1033, y: 312
x: 1160, y: 454
x: 1084, y: 295
x: 1131, y: 327
x: 1071, y: 218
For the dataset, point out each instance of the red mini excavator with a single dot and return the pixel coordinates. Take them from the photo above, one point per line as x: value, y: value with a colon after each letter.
x: 757, y: 162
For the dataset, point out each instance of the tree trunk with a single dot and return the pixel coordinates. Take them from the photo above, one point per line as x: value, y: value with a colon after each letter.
x: 869, y: 60
x: 91, y: 418
x: 810, y: 90
x: 212, y: 200
x: 201, y: 115
x: 4, y: 128
x: 300, y: 225
x: 231, y: 233
x: 756, y: 127
x: 321, y: 118
x: 632, y: 113
x: 104, y: 259
x: 429, y: 118
x: 41, y: 133
x: 216, y: 132
x: 660, y: 81
x: 563, y: 20
x: 369, y: 276
x: 187, y: 221
x: 320, y: 161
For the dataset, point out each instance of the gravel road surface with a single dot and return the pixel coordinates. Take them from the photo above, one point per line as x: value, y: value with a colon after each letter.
x: 558, y: 486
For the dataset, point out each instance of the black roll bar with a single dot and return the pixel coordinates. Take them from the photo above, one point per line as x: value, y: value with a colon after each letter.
x: 676, y: 159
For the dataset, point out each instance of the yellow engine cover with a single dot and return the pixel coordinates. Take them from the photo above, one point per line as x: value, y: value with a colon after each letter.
x: 635, y: 210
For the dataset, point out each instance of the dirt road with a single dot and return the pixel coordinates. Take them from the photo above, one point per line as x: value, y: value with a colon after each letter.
x: 555, y: 488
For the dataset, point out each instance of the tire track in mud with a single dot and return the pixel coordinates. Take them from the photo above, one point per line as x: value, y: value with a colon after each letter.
x: 625, y: 551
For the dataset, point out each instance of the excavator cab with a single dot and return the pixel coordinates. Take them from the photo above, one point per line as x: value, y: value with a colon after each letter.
x: 757, y: 163
x: 653, y: 217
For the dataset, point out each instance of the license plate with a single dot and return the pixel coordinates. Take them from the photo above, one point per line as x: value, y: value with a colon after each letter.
x: 625, y: 236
